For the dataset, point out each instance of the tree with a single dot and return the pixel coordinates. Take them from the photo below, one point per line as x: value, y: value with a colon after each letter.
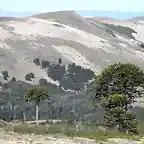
x: 116, y: 87
x: 36, y: 61
x: 118, y: 114
x: 36, y: 95
x: 45, y: 64
x: 29, y: 76
x: 119, y: 79
x: 59, y: 60
x: 142, y: 45
x: 5, y: 75
x: 32, y: 75
x: 13, y: 79
x: 43, y: 82
x: 5, y: 86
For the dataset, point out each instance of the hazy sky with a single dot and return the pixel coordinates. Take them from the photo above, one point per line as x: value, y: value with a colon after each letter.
x: 55, y: 5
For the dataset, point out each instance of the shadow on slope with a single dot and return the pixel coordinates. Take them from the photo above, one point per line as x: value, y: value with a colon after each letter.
x: 122, y: 30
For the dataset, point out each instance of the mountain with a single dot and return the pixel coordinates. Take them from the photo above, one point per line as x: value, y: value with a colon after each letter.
x: 62, y: 51
x: 99, y: 13
x: 137, y: 18
x: 110, y: 14
x: 88, y: 43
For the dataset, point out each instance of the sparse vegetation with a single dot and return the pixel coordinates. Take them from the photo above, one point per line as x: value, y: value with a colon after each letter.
x: 69, y: 130
x: 35, y: 64
x: 114, y: 89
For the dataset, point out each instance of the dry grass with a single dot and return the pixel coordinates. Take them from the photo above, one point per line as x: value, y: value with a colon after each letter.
x: 68, y: 130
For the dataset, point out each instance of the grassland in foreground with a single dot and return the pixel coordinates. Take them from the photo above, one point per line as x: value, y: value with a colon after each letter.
x: 72, y: 131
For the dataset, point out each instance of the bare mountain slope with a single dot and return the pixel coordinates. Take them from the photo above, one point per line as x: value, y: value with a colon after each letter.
x: 89, y: 43
x: 138, y: 18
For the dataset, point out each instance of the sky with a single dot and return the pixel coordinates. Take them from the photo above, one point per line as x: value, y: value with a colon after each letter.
x: 56, y: 5
x: 118, y: 9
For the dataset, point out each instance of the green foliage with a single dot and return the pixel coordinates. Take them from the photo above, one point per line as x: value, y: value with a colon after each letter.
x: 142, y: 45
x: 32, y: 75
x: 59, y: 60
x: 116, y: 87
x: 45, y: 64
x: 5, y: 75
x: 5, y: 86
x: 29, y: 76
x: 129, y: 122
x: 125, y: 120
x: 13, y: 79
x: 119, y: 79
x: 117, y: 113
x: 36, y: 95
x: 43, y: 82
x: 71, y: 77
x: 36, y: 61
x: 115, y: 100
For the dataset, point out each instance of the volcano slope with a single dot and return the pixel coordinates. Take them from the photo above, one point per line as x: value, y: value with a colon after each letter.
x: 63, y: 51
x: 89, y: 43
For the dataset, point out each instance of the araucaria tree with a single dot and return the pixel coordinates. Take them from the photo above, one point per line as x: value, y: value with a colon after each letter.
x: 118, y: 115
x: 36, y: 95
x: 122, y: 79
x: 119, y: 79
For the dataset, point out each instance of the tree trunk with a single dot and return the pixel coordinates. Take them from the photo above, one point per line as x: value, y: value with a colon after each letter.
x: 24, y: 117
x: 37, y: 122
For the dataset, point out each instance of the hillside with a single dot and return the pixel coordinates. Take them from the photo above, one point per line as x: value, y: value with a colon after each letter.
x: 86, y: 42
x: 63, y: 50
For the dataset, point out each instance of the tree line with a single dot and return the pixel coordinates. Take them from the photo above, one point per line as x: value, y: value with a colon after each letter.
x: 116, y: 88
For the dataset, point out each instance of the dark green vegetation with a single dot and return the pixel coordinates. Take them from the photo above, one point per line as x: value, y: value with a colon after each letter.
x: 36, y: 95
x: 118, y: 115
x: 70, y: 77
x: 117, y: 87
x: 62, y: 104
x: 142, y: 45
x: 119, y: 78
x: 114, y: 89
